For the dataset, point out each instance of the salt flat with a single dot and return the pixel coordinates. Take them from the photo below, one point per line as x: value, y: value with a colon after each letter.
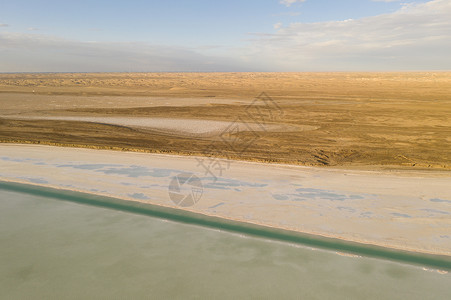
x: 405, y: 209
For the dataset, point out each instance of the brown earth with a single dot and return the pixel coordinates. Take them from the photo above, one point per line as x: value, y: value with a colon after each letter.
x: 359, y: 120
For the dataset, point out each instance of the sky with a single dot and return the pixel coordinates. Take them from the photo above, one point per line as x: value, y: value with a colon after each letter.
x: 224, y: 36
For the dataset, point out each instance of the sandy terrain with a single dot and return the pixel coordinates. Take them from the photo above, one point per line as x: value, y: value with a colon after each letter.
x: 350, y: 120
x: 406, y: 210
x: 189, y: 127
x: 23, y: 103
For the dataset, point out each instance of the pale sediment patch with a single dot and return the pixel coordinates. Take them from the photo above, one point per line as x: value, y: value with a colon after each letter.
x: 175, y: 125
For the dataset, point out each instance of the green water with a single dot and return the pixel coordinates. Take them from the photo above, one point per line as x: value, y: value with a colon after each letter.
x: 53, y: 249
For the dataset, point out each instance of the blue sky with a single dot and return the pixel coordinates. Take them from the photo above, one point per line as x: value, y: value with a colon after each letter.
x: 246, y: 35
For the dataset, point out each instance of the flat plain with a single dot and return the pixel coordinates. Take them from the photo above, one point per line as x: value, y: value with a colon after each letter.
x: 345, y: 120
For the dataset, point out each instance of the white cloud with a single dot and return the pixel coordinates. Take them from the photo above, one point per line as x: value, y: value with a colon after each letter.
x: 43, y: 53
x: 289, y: 2
x: 418, y: 36
x: 3, y: 25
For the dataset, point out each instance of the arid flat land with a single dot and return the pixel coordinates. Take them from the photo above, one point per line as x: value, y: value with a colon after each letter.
x: 349, y: 120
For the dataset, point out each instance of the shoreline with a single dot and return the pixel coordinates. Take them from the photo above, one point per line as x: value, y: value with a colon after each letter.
x: 402, y: 168
x: 442, y: 263
x: 134, y: 201
x: 239, y: 214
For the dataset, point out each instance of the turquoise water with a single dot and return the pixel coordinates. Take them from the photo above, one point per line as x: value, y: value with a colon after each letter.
x: 53, y: 249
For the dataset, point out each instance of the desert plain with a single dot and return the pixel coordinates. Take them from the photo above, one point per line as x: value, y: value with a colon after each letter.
x: 342, y: 120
